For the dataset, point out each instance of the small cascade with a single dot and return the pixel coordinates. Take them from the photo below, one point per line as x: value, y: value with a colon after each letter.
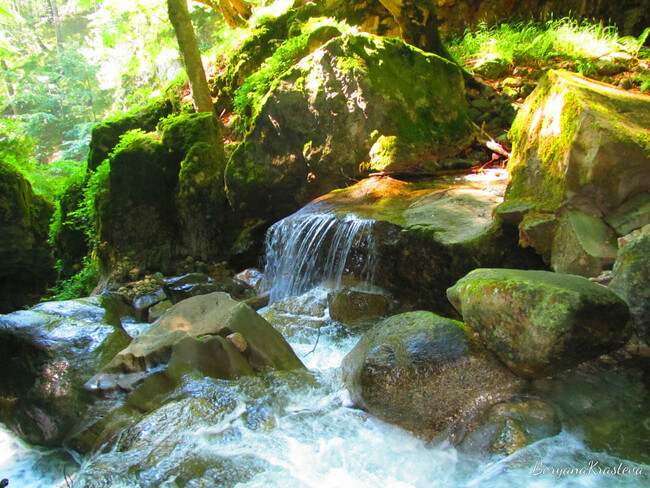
x: 309, y: 249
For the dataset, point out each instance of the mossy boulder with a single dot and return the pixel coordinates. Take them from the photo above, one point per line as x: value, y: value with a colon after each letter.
x: 205, y: 219
x: 165, y: 199
x: 135, y: 213
x: 212, y: 334
x: 539, y: 322
x: 106, y: 135
x: 421, y: 371
x: 49, y: 353
x: 320, y: 120
x: 584, y: 146
x: 631, y: 280
x: 26, y: 266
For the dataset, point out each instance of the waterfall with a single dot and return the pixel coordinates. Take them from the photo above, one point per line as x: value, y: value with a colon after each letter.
x: 309, y: 249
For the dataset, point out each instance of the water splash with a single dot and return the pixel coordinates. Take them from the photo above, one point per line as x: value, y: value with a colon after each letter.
x: 309, y: 249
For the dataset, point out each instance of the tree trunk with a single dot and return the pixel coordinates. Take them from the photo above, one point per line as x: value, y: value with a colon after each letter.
x: 189, y: 48
x: 57, y: 27
x: 418, y: 22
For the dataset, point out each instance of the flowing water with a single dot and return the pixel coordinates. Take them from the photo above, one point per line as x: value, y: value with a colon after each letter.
x: 312, y: 248
x: 294, y: 430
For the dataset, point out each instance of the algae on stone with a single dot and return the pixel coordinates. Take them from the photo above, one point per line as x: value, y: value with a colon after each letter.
x: 539, y: 322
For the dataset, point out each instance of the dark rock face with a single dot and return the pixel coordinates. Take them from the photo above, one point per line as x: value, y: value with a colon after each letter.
x: 539, y: 322
x: 49, y: 352
x: 165, y: 199
x: 26, y: 265
x: 421, y: 371
x: 343, y: 111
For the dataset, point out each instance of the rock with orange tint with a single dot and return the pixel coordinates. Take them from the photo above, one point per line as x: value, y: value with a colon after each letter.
x: 198, y: 334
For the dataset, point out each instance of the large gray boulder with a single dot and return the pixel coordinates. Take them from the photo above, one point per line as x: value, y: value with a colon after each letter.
x: 212, y: 334
x: 539, y: 322
x: 580, y: 171
x: 421, y: 371
x: 345, y: 110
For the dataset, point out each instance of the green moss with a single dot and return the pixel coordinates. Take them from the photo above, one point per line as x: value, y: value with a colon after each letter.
x: 181, y: 132
x: 250, y: 97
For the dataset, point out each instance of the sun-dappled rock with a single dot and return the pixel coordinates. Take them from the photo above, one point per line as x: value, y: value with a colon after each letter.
x: 321, y: 119
x: 580, y: 152
x: 193, y: 335
x: 421, y: 371
x: 49, y: 353
x: 431, y: 232
x: 539, y: 322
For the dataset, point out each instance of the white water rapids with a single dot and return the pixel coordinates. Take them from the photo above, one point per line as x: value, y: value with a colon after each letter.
x: 301, y: 430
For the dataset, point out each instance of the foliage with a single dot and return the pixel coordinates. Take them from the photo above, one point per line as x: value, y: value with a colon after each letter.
x: 582, y: 42
x: 79, y: 285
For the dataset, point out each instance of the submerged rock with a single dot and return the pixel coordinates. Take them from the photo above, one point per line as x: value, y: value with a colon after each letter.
x: 345, y: 110
x: 349, y: 306
x: 580, y: 152
x: 421, y: 371
x: 539, y: 322
x: 506, y: 427
x: 48, y: 353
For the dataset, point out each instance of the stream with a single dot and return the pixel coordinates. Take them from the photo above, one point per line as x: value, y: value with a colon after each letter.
x: 301, y: 430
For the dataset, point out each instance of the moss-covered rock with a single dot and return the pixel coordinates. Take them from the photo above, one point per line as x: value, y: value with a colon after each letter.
x: 27, y: 265
x: 135, y: 214
x: 539, y: 322
x: 318, y: 122
x: 350, y: 306
x: 106, y: 135
x: 580, y: 145
x: 421, y: 371
x: 68, y: 230
x: 49, y: 353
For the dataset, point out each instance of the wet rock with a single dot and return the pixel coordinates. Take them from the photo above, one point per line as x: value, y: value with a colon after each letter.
x: 27, y: 266
x: 192, y: 336
x: 252, y: 277
x: 421, y: 371
x: 345, y: 95
x: 430, y: 233
x: 350, y: 306
x: 156, y: 311
x: 506, y: 427
x: 539, y: 322
x: 579, y: 154
x: 631, y: 281
x: 144, y: 303
x: 48, y: 355
x: 194, y: 284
